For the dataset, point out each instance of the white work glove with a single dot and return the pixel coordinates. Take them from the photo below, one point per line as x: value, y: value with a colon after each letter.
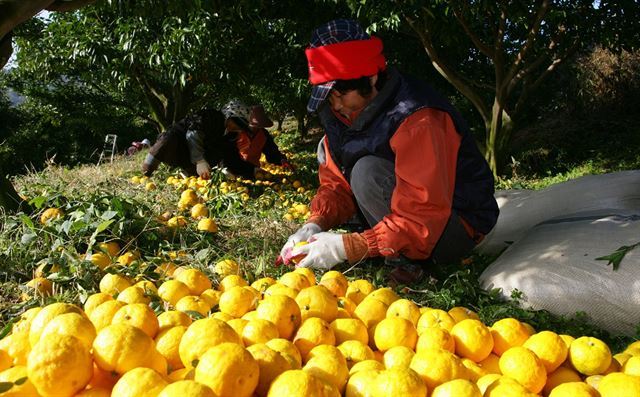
x: 228, y: 174
x: 203, y: 169
x: 324, y: 251
x: 303, y: 234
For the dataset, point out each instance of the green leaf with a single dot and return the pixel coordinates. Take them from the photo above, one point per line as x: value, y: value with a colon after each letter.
x: 5, y: 386
x: 27, y: 221
x: 616, y: 257
x: 194, y: 314
x: 103, y: 226
x: 20, y: 381
x: 108, y: 215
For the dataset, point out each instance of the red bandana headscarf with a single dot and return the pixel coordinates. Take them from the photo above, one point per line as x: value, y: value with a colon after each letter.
x: 345, y: 61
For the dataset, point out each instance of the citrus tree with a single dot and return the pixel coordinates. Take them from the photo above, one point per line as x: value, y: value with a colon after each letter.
x: 498, y: 54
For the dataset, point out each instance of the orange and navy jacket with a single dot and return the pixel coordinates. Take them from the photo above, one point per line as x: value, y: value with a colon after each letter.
x: 437, y: 167
x: 252, y: 145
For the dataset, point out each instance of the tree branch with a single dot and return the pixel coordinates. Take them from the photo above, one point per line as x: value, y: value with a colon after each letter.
x: 447, y: 72
x: 67, y: 5
x: 533, y: 31
x: 485, y: 49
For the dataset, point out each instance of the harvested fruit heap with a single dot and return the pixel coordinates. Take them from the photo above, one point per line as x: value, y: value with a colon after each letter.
x: 291, y: 337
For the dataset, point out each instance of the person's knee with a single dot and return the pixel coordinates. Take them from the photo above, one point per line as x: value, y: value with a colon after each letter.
x: 370, y: 171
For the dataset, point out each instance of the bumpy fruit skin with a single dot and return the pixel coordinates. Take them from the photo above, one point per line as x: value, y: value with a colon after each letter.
x: 59, y: 365
x: 229, y: 370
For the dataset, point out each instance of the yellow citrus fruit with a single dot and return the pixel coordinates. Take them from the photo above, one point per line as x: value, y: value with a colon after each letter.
x: 317, y: 301
x: 335, y: 285
x: 186, y: 388
x: 435, y: 318
x: 263, y: 283
x: 40, y: 286
x: 568, y: 339
x: 618, y: 384
x: 473, y: 339
x: 102, y: 315
x: 371, y: 311
x: 201, y: 336
x: 491, y: 364
x: 232, y: 280
x: 281, y: 289
x: 283, y: 311
x: 346, y: 329
x: 288, y: 350
x: 199, y: 211
x: 147, y: 286
x: 357, y: 290
x: 139, y: 315
x: 355, y: 351
x: 296, y: 259
x: 632, y: 366
x: 113, y: 284
x: 549, y: 347
x: 525, y: 367
x: 308, y: 273
x: 259, y: 331
x: 173, y: 318
x: 314, y: 331
x: 48, y: 313
x: 226, y: 267
x: 59, y: 365
x: 49, y: 214
x: 207, y: 225
x: 460, y: 313
x: 294, y: 280
x: 192, y: 303
x: 507, y: 387
x: 195, y: 280
x: 475, y: 371
x: 560, y: 376
x: 386, y: 295
x: 111, y: 248
x: 72, y: 324
x: 182, y: 374
x: 507, y: 333
x: 168, y: 344
x: 366, y: 365
x: 406, y: 309
x: 128, y: 258
x: 237, y: 301
x: 398, y: 382
x: 299, y: 383
x: 229, y: 370
x: 399, y: 356
x: 458, y: 388
x: 395, y: 331
x: 437, y: 366
x: 436, y: 338
x: 360, y: 382
x: 574, y: 389
x: 271, y: 362
x: 5, y: 360
x: 211, y: 296
x: 139, y: 382
x: 172, y: 291
x: 95, y: 300
x: 166, y: 269
x: 17, y: 373
x: 177, y: 221
x: 589, y: 355
x: 122, y: 347
x: 133, y: 294
x: 485, y: 381
x: 328, y: 364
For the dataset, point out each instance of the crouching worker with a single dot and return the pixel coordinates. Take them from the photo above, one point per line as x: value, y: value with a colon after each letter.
x: 247, y: 127
x: 194, y: 144
x: 395, y: 152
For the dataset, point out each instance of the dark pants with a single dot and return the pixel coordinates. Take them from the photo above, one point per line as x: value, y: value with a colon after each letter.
x: 373, y: 180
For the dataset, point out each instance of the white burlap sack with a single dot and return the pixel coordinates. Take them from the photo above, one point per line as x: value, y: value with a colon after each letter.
x: 554, y: 266
x: 520, y: 210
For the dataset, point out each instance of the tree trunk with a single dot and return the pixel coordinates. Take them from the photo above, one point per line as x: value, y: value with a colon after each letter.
x: 302, y: 126
x: 498, y: 137
x: 9, y: 198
